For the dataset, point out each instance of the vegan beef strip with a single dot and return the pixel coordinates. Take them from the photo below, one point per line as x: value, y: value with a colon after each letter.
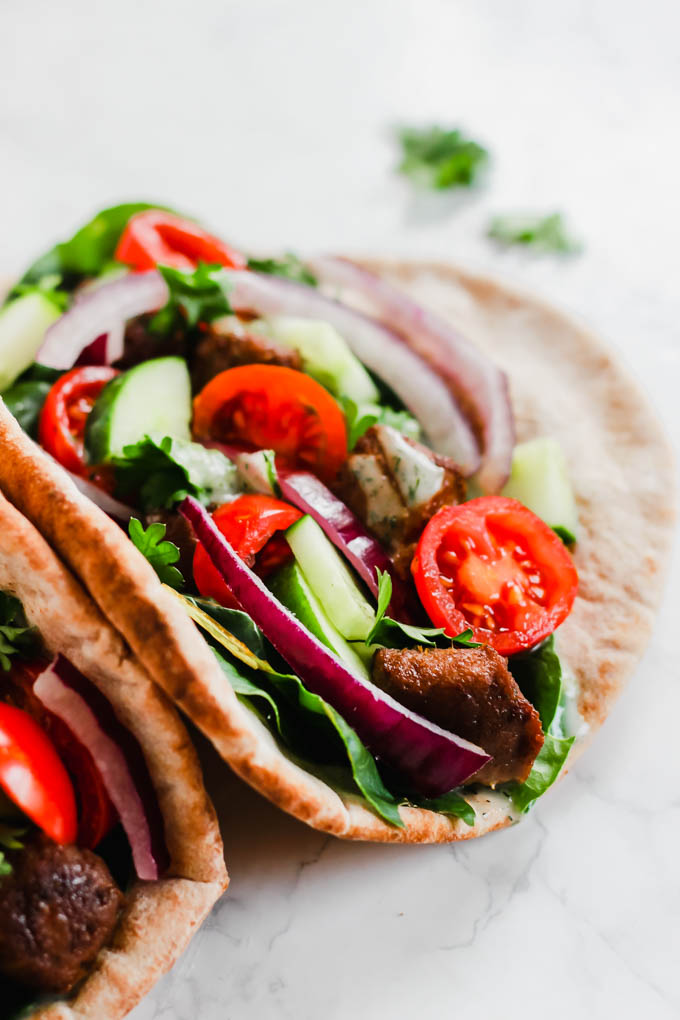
x: 470, y: 692
x: 230, y: 343
x: 395, y: 485
x: 58, y: 907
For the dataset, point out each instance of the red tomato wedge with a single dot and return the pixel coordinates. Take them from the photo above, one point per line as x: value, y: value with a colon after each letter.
x: 33, y: 777
x: 96, y: 813
x: 276, y: 408
x: 61, y: 428
x: 493, y: 565
x: 154, y: 237
x: 250, y: 525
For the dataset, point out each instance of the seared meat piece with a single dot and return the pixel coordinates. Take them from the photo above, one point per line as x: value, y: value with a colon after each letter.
x: 179, y: 531
x: 141, y: 344
x: 229, y: 343
x: 57, y: 909
x: 395, y: 485
x: 470, y: 692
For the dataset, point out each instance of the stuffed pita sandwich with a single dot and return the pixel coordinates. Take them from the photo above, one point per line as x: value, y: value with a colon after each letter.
x: 110, y: 855
x: 392, y: 536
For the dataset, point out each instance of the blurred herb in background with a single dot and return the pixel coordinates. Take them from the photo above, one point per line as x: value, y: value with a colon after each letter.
x: 544, y: 233
x: 435, y: 157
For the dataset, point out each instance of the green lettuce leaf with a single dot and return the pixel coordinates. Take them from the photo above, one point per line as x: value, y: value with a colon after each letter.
x: 160, y: 473
x: 91, y: 248
x: 539, y: 676
x: 452, y: 803
x: 160, y: 554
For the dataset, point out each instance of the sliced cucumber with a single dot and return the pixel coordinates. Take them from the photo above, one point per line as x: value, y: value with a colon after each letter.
x: 23, y: 324
x: 325, y: 356
x: 290, y: 587
x: 152, y: 399
x: 539, y: 478
x: 330, y: 580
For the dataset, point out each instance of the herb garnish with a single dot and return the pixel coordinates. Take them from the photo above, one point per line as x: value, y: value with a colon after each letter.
x: 10, y: 839
x: 199, y: 295
x: 15, y: 634
x: 543, y: 233
x: 389, y: 633
x: 436, y: 157
x: 160, y: 554
x: 289, y: 266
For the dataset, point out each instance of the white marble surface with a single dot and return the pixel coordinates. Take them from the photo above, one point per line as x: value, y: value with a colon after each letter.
x: 271, y: 121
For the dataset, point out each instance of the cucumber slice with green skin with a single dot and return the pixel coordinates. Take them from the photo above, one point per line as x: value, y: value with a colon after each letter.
x: 330, y: 580
x: 23, y: 324
x: 290, y: 587
x: 152, y: 399
x: 539, y: 478
x: 325, y: 356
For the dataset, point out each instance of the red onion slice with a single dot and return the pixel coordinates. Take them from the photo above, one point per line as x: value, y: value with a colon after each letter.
x: 344, y: 529
x: 430, y: 760
x: 118, y: 757
x: 479, y: 384
x: 102, y: 310
x: 379, y: 347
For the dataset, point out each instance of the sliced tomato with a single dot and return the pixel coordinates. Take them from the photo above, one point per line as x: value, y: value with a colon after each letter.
x: 275, y: 408
x: 61, y: 427
x: 493, y: 565
x: 96, y: 813
x: 33, y: 776
x: 250, y: 525
x: 155, y: 237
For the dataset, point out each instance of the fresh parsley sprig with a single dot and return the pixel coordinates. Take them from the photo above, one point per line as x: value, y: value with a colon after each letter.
x: 389, y: 633
x: 542, y: 233
x: 160, y: 554
x: 438, y: 158
x: 198, y: 296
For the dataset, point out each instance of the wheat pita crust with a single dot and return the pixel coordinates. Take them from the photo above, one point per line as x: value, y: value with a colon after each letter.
x: 564, y: 383
x: 158, y: 918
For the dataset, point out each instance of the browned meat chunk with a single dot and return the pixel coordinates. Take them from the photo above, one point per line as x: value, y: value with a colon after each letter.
x: 141, y: 344
x: 470, y: 692
x: 57, y: 909
x: 179, y: 531
x: 231, y: 344
x: 395, y: 485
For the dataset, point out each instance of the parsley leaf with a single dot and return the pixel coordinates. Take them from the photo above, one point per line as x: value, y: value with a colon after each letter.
x: 435, y: 157
x: 290, y: 267
x: 15, y: 634
x: 10, y: 839
x: 160, y: 554
x: 360, y: 418
x: 195, y: 296
x: 543, y: 233
x: 160, y: 473
x: 389, y: 633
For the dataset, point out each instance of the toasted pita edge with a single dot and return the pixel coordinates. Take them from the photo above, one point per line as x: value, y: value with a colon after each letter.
x: 560, y: 364
x: 158, y: 918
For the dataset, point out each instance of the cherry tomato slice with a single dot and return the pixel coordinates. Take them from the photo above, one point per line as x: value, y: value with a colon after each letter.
x: 33, y: 777
x: 493, y: 565
x: 249, y: 524
x: 61, y: 427
x: 272, y: 407
x: 154, y: 237
x: 96, y: 813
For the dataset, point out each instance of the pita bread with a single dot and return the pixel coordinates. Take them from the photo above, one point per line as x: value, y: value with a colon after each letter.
x: 158, y: 918
x: 564, y: 383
